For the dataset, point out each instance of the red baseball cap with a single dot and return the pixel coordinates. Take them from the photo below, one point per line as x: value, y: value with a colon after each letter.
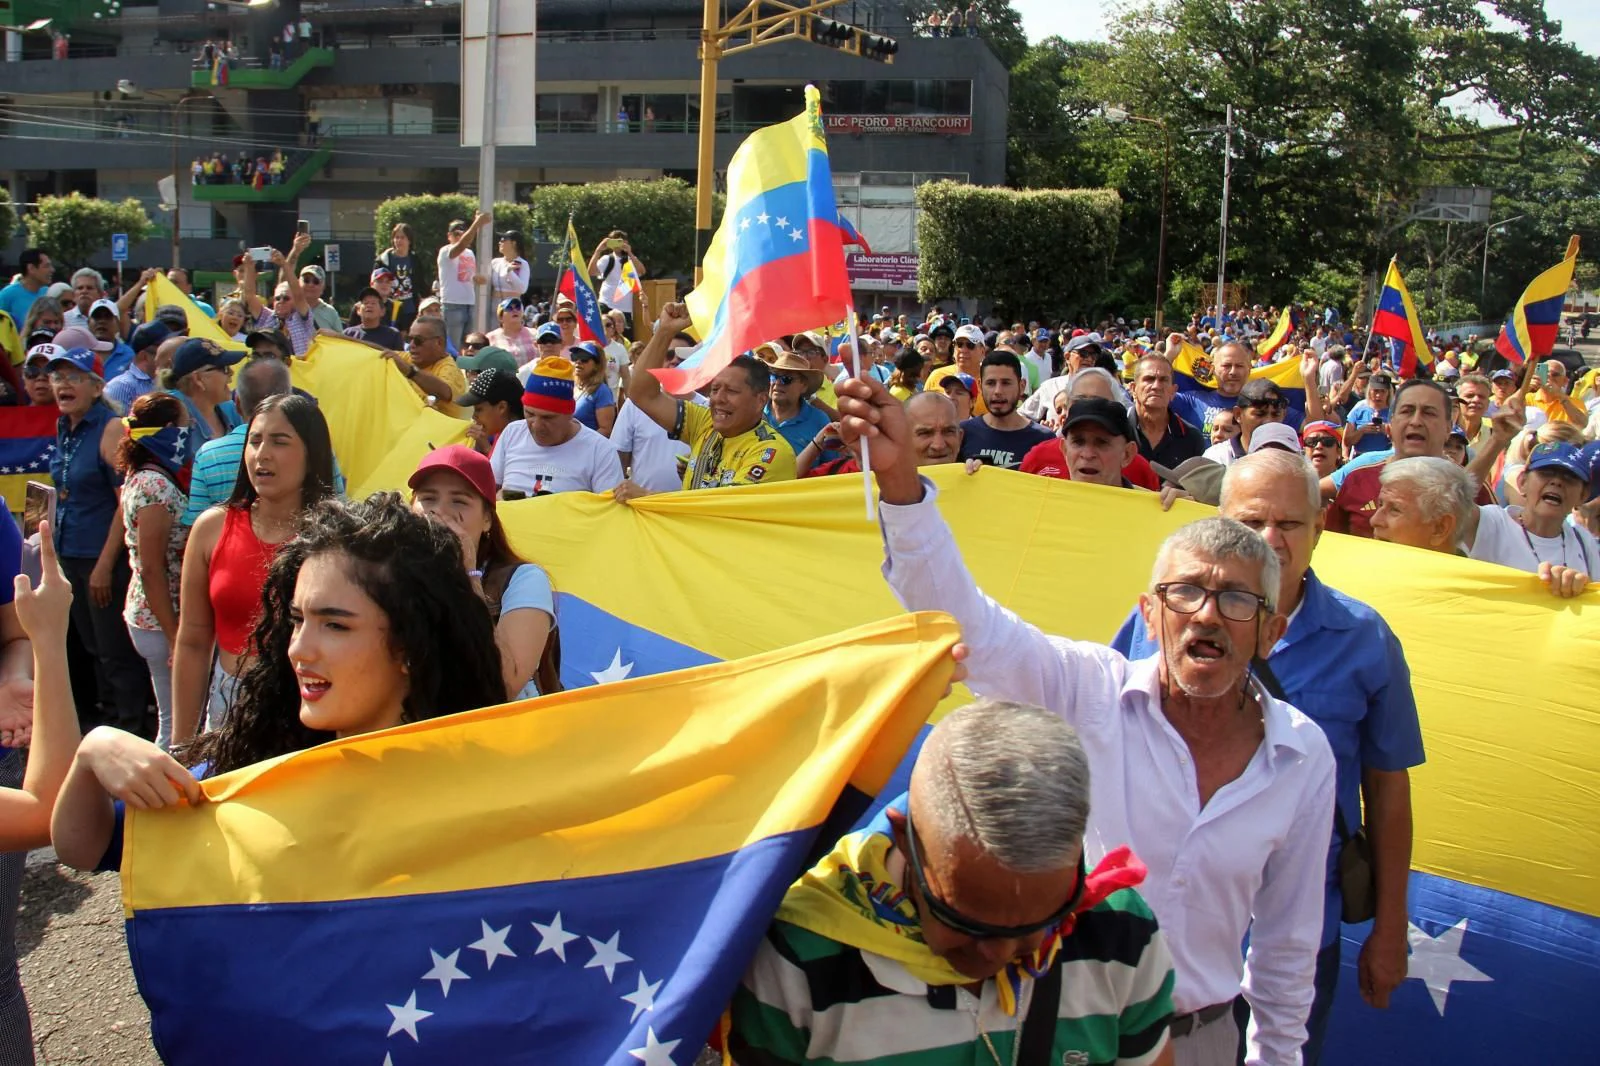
x: 461, y: 460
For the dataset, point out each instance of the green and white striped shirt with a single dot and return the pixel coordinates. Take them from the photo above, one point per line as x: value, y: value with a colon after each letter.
x: 808, y: 999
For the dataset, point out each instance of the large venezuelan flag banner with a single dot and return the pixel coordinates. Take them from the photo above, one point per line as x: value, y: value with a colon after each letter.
x: 776, y: 264
x: 27, y: 441
x: 579, y: 879
x: 1530, y: 330
x: 160, y: 292
x: 1506, y: 897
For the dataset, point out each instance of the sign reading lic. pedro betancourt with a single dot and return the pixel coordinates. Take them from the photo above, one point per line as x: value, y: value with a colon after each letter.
x: 902, y: 124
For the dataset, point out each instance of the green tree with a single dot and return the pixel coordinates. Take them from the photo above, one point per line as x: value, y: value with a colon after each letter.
x: 74, y: 228
x: 1050, y: 107
x: 657, y: 216
x: 1038, y: 251
x: 8, y: 216
x: 998, y: 23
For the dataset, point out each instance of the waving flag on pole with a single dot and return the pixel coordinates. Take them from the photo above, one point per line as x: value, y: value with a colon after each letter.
x: 1530, y: 330
x: 576, y: 286
x: 1288, y: 322
x: 776, y: 264
x: 853, y: 235
x: 579, y: 879
x: 1397, y: 319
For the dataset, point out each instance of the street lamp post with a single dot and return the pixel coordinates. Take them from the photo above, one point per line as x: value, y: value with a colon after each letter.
x: 1117, y: 114
x: 177, y: 187
x: 1483, y: 284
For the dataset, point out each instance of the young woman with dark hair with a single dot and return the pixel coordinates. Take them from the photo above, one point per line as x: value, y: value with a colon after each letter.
x: 152, y: 459
x: 368, y: 621
x: 455, y: 486
x: 287, y: 466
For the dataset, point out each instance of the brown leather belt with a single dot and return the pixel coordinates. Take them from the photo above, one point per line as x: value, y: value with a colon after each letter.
x: 1184, y: 1024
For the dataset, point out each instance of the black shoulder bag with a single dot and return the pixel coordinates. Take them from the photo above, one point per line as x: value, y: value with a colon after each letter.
x: 1036, y: 1041
x: 1357, y: 887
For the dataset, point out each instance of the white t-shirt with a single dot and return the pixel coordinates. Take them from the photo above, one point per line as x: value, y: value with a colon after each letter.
x: 455, y: 277
x: 1041, y: 367
x: 655, y: 455
x: 614, y: 292
x: 509, y: 275
x: 586, y: 463
x: 1502, y: 539
x: 617, y: 357
x: 1220, y: 453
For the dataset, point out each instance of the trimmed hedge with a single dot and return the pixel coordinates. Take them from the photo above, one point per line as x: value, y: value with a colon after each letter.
x: 657, y: 216
x: 1032, y: 250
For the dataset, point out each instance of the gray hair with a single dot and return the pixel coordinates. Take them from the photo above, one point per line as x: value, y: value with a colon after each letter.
x: 1077, y: 377
x: 90, y: 273
x: 1011, y: 778
x: 264, y: 376
x: 1438, y: 487
x: 1275, y: 462
x: 1219, y: 539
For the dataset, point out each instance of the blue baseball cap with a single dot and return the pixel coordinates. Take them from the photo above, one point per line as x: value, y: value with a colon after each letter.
x: 1501, y: 374
x: 549, y: 331
x: 510, y: 303
x: 79, y: 358
x: 1556, y: 455
x: 1041, y: 334
x: 149, y: 335
x: 1590, y: 453
x: 197, y: 353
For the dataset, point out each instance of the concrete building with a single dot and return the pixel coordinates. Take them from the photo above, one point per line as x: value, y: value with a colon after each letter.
x: 369, y: 107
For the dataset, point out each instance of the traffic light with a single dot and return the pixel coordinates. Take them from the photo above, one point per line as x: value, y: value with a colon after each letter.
x: 854, y: 40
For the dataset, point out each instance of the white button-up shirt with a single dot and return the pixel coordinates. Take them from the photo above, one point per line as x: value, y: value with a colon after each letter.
x: 1252, y: 860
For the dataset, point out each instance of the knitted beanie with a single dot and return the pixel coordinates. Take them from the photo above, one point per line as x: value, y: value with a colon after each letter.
x: 549, y: 386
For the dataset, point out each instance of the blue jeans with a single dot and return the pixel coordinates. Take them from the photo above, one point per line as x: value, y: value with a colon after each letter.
x: 457, y: 322
x: 1325, y: 982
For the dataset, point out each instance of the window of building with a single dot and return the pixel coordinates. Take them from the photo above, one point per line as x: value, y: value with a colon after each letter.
x: 900, y: 96
x: 568, y: 112
x: 658, y: 112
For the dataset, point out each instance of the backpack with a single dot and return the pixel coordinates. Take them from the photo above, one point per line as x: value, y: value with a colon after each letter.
x: 548, y: 673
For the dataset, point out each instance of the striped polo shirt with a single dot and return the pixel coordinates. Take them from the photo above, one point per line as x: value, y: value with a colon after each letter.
x: 808, y: 999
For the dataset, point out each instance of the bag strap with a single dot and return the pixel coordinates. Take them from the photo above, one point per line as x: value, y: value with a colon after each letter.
x: 1036, y: 1041
x: 1274, y: 687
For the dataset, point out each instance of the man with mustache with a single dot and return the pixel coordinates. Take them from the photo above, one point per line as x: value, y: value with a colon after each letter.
x: 1225, y: 791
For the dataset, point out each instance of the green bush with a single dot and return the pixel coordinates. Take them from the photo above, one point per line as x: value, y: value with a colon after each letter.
x: 73, y: 228
x: 657, y: 216
x: 1040, y: 250
x: 429, y: 217
x: 8, y: 216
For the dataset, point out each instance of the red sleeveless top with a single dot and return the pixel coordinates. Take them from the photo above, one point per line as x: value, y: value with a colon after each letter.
x: 238, y: 573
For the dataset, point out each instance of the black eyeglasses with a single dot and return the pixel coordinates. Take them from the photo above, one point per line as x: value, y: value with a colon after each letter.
x: 1236, y: 605
x: 1322, y: 442
x: 972, y: 927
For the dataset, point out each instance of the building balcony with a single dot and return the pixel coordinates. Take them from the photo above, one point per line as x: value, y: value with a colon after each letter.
x: 283, y: 192
x: 255, y: 77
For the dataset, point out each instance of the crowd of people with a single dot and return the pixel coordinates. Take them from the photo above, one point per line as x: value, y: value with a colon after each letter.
x: 256, y: 172
x: 216, y: 600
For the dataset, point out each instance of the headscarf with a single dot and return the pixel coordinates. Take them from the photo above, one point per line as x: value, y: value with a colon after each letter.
x: 167, y: 445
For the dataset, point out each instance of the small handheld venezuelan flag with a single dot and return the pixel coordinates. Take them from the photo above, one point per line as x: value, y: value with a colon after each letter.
x: 1530, y: 329
x: 1397, y: 319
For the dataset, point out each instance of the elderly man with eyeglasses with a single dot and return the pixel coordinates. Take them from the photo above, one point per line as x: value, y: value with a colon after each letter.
x: 963, y: 925
x: 1224, y: 790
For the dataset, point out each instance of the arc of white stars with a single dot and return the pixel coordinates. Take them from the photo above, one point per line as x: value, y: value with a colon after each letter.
x: 553, y: 938
x: 655, y: 1052
x: 783, y: 223
x: 606, y: 955
x: 493, y: 945
x: 643, y: 998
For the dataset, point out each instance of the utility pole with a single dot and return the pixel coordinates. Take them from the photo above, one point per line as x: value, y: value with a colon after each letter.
x: 486, y: 162
x: 710, y: 55
x: 1227, y: 179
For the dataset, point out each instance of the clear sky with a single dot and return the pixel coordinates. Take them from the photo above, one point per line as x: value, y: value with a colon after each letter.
x: 1086, y: 19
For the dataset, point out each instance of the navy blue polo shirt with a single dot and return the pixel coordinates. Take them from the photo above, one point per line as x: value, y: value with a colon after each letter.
x: 1342, y: 666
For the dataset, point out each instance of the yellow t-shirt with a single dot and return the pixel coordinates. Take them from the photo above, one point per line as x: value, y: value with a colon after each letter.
x: 936, y: 381
x: 1554, y: 410
x: 901, y: 393
x: 752, y: 458
x: 446, y: 371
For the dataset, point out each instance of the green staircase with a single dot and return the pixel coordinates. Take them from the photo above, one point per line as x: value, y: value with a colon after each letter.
x: 268, y: 194
x: 263, y: 78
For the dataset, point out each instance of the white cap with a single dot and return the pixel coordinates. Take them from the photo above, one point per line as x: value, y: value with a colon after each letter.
x: 1274, y: 433
x: 972, y: 333
x: 103, y: 305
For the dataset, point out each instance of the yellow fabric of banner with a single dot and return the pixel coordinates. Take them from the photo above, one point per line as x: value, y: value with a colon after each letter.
x: 160, y: 291
x: 1504, y: 674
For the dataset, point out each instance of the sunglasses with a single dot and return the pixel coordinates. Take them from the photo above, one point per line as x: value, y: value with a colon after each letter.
x: 965, y: 344
x: 785, y: 379
x: 566, y: 320
x: 1268, y: 405
x: 957, y: 922
x: 1322, y: 442
x: 35, y: 372
x: 472, y: 346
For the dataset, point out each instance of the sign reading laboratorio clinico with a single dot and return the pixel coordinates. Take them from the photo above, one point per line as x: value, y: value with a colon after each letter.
x: 882, y: 273
x: 960, y: 125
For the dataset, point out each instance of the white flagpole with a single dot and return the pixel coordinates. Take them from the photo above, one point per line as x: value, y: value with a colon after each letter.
x: 866, y: 445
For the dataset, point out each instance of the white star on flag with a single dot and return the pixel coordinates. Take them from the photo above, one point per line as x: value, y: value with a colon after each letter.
x: 617, y: 671
x: 445, y: 970
x: 407, y: 1017
x: 783, y: 223
x: 553, y: 938
x: 493, y: 945
x: 744, y: 225
x: 643, y: 998
x: 763, y: 218
x: 1437, y: 962
x: 796, y: 234
x: 654, y: 1052
x: 606, y: 955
